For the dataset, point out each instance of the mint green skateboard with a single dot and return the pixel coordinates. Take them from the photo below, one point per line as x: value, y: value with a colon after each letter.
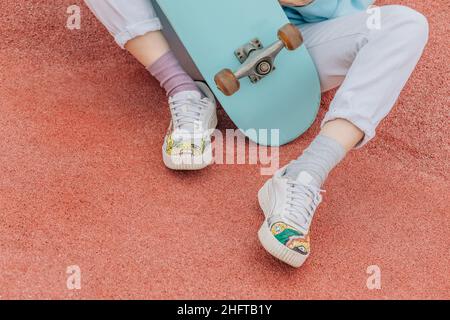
x: 252, y: 59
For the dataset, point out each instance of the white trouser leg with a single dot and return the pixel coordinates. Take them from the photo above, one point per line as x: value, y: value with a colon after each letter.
x: 372, y: 66
x: 125, y: 19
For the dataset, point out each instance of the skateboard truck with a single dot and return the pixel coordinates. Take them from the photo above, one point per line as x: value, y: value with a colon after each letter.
x: 257, y: 61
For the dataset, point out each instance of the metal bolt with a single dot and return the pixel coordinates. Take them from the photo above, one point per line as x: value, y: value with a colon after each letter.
x: 264, y: 68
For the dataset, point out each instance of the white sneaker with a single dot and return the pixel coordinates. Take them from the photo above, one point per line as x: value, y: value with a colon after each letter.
x: 289, y: 206
x: 187, y: 145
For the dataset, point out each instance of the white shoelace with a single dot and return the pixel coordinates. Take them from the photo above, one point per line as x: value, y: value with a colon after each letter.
x: 187, y: 113
x: 303, y: 201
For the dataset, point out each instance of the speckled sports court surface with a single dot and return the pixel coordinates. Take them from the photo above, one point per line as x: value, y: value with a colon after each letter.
x: 82, y: 183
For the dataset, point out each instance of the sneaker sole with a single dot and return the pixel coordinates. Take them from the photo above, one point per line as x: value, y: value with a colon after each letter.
x: 187, y: 164
x: 269, y: 242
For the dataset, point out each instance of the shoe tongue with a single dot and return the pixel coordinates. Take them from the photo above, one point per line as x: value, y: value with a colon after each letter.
x: 305, y: 178
x: 185, y: 95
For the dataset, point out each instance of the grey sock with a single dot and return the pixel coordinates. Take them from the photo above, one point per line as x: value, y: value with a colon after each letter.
x: 318, y: 159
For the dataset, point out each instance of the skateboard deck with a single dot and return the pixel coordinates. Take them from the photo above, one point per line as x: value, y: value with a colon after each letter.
x: 278, y: 107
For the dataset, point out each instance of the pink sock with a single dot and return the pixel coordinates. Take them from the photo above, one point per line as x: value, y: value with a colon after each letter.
x: 171, y: 75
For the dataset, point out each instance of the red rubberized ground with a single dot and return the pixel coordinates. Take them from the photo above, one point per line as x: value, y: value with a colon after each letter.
x: 82, y: 183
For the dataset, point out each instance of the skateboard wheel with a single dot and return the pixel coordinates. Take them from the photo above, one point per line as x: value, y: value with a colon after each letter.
x: 291, y: 36
x: 227, y: 82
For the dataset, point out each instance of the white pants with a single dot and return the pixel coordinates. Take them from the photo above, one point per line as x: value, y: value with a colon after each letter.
x: 372, y: 65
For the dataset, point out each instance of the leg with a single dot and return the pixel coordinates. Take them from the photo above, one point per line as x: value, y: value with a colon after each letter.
x: 148, y: 48
x: 136, y: 28
x: 344, y: 132
x: 372, y: 67
x: 126, y: 22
